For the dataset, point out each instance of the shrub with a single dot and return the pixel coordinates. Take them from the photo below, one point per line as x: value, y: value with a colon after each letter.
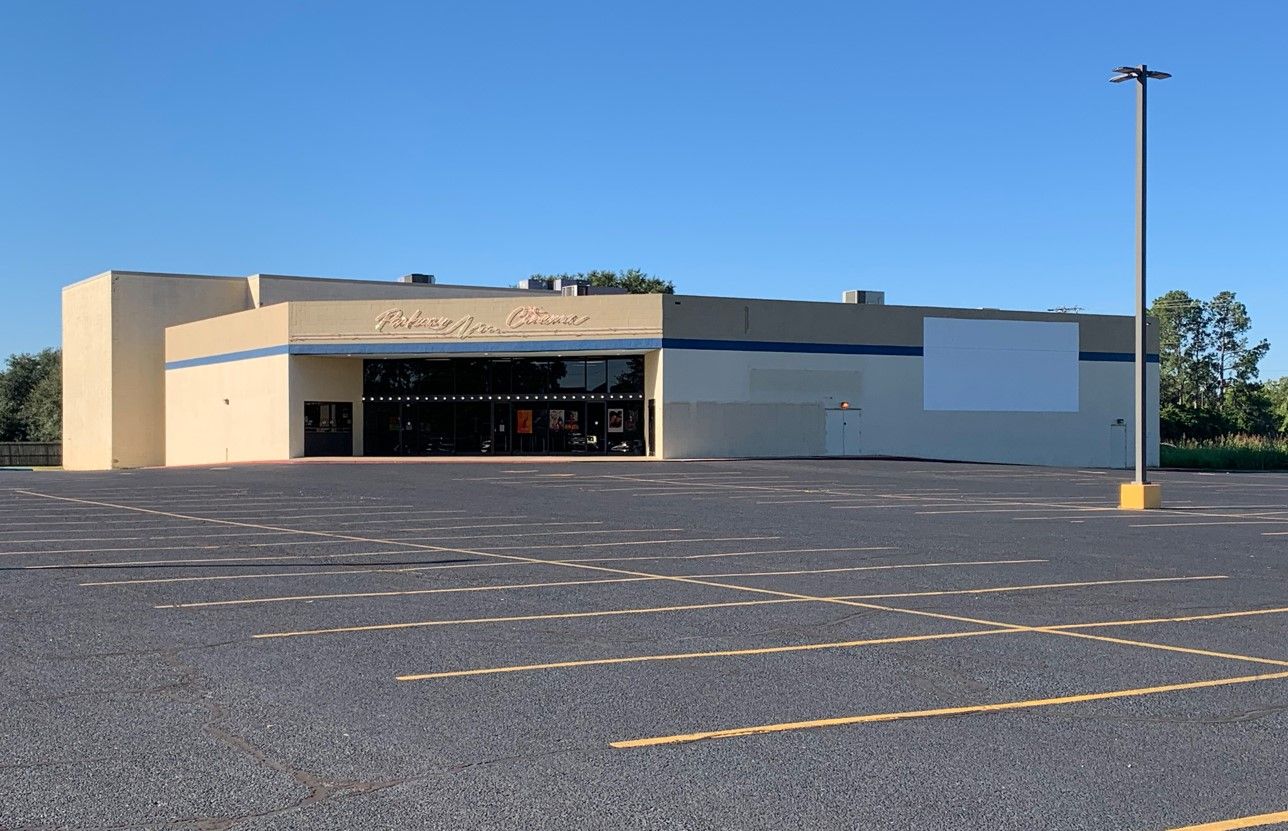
x: 1231, y: 452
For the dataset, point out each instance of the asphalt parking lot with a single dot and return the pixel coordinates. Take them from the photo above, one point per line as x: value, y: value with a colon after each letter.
x: 794, y: 644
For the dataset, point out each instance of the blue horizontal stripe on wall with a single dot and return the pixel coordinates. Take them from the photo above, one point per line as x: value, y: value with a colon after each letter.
x: 778, y: 346
x: 607, y: 344
x: 1123, y: 357
x: 243, y: 355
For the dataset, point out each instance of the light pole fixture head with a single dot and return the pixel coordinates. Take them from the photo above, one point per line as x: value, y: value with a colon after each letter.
x: 1139, y: 73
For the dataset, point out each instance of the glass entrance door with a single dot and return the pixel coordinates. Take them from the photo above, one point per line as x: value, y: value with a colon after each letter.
x: 502, y: 430
x: 328, y: 428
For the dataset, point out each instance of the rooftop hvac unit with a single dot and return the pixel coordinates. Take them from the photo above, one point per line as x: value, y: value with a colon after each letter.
x: 537, y: 284
x: 583, y: 289
x: 868, y: 298
x: 424, y: 279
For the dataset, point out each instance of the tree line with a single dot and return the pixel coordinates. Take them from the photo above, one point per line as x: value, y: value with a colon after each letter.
x: 631, y: 279
x: 31, y: 397
x: 1209, y: 370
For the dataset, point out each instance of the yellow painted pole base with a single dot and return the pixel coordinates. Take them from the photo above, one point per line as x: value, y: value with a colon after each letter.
x: 1134, y: 496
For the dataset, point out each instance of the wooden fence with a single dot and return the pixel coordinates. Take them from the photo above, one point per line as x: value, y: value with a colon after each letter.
x: 31, y: 453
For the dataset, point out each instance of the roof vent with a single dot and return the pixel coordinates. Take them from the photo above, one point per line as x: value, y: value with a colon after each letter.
x: 424, y: 279
x: 868, y: 298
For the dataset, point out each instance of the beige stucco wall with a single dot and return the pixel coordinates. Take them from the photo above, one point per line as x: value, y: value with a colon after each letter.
x: 267, y: 289
x: 142, y: 307
x: 654, y: 391
x: 87, y: 374
x: 253, y: 409
x: 230, y: 333
x: 116, y: 350
x: 324, y: 379
x: 236, y: 411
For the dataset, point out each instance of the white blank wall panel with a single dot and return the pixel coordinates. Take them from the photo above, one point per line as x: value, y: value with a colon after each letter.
x: 1000, y: 365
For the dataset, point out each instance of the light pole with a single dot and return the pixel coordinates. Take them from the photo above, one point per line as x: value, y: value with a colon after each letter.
x: 1139, y: 494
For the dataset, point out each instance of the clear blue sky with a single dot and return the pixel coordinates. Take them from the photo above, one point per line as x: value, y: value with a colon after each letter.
x: 948, y: 153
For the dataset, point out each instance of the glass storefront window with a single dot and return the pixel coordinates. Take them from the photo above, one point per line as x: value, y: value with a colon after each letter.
x: 436, y: 378
x: 420, y: 406
x: 568, y: 376
x: 387, y: 378
x: 500, y: 377
x: 626, y: 375
x: 473, y: 427
x: 472, y: 376
x: 530, y: 376
x: 596, y: 376
x: 625, y: 428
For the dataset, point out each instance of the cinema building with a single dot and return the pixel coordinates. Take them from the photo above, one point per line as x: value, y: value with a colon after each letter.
x: 180, y: 369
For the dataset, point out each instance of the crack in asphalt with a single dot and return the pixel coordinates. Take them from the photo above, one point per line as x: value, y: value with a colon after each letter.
x: 318, y: 789
x: 160, y: 650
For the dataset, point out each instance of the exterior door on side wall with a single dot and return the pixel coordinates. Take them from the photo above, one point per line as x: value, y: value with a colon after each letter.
x: 502, y: 433
x: 1119, y: 448
x: 328, y: 428
x: 842, y: 432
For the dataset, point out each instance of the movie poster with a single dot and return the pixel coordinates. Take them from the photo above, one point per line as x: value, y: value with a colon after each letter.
x: 556, y: 420
x: 572, y: 421
x: 614, y: 421
x: 631, y: 418
x: 523, y: 422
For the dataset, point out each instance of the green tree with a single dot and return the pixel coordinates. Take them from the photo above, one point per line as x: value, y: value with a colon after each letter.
x: 1208, y: 367
x: 1184, y: 365
x: 631, y: 279
x: 1277, y: 392
x: 1234, y: 360
x: 1248, y: 408
x: 31, y: 397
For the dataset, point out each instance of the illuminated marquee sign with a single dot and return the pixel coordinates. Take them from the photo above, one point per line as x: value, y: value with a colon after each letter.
x: 467, y: 326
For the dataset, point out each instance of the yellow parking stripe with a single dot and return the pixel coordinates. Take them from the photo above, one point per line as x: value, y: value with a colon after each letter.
x: 1182, y: 619
x: 844, y: 599
x: 511, y: 618
x: 1257, y: 821
x: 682, y: 738
x: 677, y: 656
x: 504, y: 586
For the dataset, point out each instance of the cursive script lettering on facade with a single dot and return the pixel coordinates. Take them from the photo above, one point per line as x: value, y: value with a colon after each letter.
x: 467, y: 326
x: 537, y: 316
